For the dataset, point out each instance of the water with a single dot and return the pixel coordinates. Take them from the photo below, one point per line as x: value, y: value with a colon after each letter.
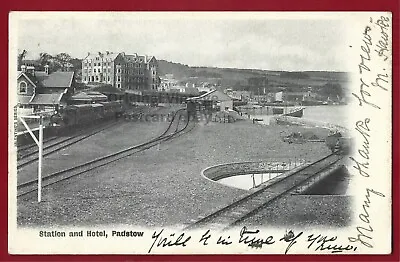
x: 332, y: 114
x: 247, y: 182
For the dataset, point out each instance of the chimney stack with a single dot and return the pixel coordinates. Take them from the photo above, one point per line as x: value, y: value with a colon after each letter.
x: 23, y: 68
x: 30, y: 70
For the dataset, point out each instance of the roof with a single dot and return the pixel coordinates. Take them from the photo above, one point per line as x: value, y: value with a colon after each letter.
x: 96, y: 94
x: 89, y: 96
x: 58, y: 79
x: 191, y: 90
x: 107, y: 89
x: 82, y: 97
x: 212, y: 95
x: 110, y: 55
x: 46, y: 99
x: 135, y: 58
x: 24, y: 100
x: 28, y: 77
x: 33, y: 62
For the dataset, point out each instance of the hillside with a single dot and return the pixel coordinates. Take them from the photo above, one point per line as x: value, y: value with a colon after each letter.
x: 245, y: 79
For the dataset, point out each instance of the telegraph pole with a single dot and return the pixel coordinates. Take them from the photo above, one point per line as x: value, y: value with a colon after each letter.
x: 39, y: 143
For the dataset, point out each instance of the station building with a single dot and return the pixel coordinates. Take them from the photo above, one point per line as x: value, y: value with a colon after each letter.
x: 43, y: 90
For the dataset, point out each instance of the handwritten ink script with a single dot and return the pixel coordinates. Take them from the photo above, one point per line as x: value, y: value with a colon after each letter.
x: 373, y: 82
x: 253, y: 238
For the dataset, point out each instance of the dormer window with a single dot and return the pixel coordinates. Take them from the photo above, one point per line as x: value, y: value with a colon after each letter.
x: 23, y: 88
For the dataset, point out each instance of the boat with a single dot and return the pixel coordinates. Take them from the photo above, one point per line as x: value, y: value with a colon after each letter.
x: 297, y: 112
x: 288, y: 111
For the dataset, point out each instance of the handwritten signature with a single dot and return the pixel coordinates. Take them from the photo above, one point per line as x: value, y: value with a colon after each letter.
x: 363, y: 232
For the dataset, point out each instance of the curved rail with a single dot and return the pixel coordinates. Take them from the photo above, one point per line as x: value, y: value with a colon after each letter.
x: 249, y: 205
x: 31, y: 186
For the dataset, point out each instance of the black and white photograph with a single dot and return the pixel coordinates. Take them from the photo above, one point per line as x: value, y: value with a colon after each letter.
x: 199, y: 133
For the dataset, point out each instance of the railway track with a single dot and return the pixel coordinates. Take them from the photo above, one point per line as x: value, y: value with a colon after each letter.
x: 53, y: 145
x: 172, y: 131
x: 249, y: 205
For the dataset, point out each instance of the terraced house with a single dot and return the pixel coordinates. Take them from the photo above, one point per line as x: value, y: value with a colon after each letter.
x: 129, y: 72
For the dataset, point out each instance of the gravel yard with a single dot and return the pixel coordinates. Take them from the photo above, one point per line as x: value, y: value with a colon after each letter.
x: 124, y: 134
x: 161, y: 186
x: 300, y: 211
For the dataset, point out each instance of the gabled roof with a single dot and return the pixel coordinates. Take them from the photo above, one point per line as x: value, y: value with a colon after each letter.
x: 110, y: 55
x: 47, y: 99
x: 24, y: 100
x: 27, y: 77
x: 58, y: 79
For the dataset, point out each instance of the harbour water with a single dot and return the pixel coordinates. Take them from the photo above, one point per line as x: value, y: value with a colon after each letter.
x: 332, y: 114
x: 248, y: 181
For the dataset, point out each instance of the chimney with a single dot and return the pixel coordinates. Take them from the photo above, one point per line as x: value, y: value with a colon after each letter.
x: 30, y: 70
x: 88, y: 53
x: 46, y: 69
x: 23, y: 68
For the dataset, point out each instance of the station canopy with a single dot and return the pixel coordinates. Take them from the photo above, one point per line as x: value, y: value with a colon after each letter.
x: 213, y: 95
x: 88, y: 96
x: 106, y: 90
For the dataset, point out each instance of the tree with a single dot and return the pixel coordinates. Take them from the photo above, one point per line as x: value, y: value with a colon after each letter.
x: 21, y: 57
x: 45, y: 59
x: 77, y: 63
x: 63, y: 60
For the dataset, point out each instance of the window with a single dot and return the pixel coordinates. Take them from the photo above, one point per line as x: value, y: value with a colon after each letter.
x: 119, y: 85
x: 104, y: 70
x: 94, y: 70
x: 109, y: 70
x: 97, y: 78
x: 84, y: 79
x: 108, y: 78
x: 23, y: 88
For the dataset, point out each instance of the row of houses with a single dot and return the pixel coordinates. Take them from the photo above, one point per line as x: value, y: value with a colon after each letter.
x: 283, y: 96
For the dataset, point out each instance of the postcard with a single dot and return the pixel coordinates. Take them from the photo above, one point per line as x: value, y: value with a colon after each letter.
x: 200, y: 133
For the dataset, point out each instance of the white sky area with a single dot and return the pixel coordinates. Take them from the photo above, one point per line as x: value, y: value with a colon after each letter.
x: 257, y: 41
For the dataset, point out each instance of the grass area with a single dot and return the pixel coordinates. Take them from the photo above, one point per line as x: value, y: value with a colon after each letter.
x: 161, y: 186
